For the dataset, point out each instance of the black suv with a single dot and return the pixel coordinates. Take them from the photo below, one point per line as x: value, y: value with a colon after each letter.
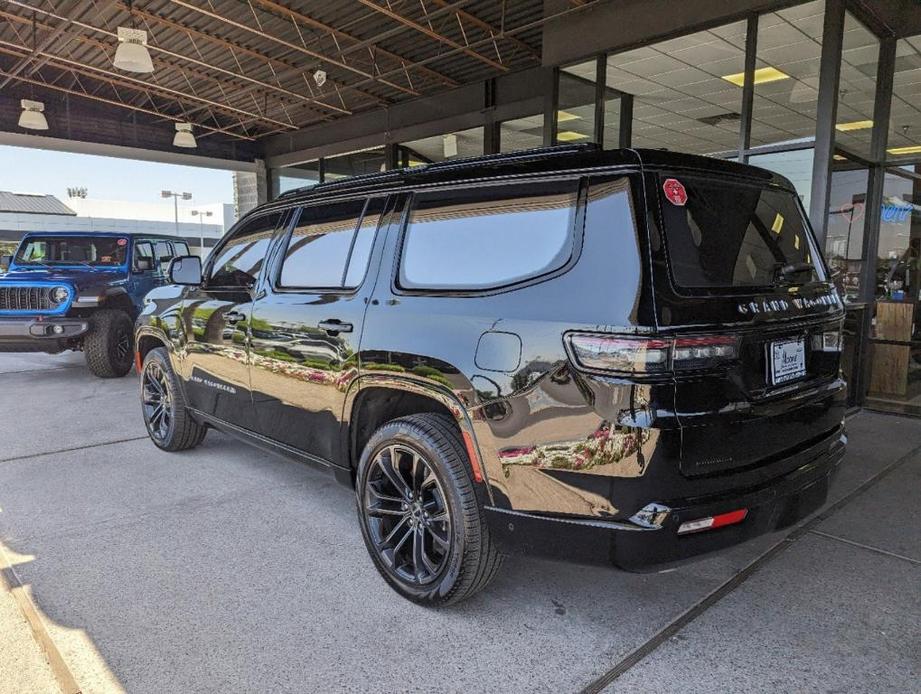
x: 629, y: 357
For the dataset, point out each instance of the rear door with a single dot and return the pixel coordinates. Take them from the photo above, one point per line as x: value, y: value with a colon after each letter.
x: 307, y: 324
x: 216, y: 319
x: 736, y: 267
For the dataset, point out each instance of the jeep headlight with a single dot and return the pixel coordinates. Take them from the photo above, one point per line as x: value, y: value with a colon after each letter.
x: 60, y: 294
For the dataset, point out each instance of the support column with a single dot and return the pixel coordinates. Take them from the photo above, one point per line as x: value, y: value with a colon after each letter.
x: 551, y: 105
x: 625, y: 136
x: 826, y: 116
x: 748, y: 88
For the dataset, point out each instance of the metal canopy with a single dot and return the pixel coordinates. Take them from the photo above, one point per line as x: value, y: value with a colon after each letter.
x: 243, y: 70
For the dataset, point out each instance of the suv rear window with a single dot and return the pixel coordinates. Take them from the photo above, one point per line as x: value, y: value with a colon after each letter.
x: 733, y: 235
x: 488, y: 237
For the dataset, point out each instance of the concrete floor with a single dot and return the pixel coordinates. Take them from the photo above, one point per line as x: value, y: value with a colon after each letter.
x: 227, y: 570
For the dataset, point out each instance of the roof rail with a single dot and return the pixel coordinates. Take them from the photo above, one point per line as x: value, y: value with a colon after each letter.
x: 536, y: 153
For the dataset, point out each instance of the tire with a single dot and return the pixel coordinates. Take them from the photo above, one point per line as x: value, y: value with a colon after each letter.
x: 436, y: 501
x: 109, y: 345
x: 163, y: 406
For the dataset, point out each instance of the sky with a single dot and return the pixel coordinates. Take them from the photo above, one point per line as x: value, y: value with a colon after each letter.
x: 24, y: 170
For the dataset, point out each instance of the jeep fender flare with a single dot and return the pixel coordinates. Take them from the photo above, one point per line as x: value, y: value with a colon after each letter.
x: 426, y: 389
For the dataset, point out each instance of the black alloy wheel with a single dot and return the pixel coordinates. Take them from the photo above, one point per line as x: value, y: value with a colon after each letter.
x: 157, y: 402
x: 421, y: 519
x: 408, y: 517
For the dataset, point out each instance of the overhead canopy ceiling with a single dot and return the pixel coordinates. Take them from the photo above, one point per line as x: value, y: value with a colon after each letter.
x: 241, y: 70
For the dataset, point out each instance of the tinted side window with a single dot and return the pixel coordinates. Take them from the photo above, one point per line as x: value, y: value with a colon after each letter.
x: 240, y: 260
x: 144, y: 249
x: 181, y: 247
x: 326, y: 240
x: 488, y: 237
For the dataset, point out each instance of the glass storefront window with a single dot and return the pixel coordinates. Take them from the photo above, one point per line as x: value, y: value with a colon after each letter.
x: 354, y: 164
x: 521, y: 133
x: 905, y: 123
x: 456, y: 145
x: 895, y: 373
x: 298, y: 176
x: 795, y: 165
x: 847, y: 216
x: 787, y: 74
x: 683, y: 98
x: 575, y: 119
x: 857, y: 89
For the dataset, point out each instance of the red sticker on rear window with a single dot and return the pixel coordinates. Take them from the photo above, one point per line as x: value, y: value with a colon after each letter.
x: 675, y: 192
x: 123, y: 242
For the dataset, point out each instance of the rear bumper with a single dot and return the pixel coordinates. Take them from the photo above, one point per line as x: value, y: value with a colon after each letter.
x: 777, y: 504
x: 34, y: 334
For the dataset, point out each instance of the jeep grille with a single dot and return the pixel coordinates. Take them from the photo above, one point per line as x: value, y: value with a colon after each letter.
x: 26, y: 299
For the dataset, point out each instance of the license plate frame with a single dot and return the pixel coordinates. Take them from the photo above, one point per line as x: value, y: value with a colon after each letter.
x: 786, y: 360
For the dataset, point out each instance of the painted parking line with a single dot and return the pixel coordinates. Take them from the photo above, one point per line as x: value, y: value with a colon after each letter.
x: 74, y: 448
x: 675, y: 626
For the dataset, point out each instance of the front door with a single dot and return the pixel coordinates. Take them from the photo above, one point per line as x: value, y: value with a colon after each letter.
x: 216, y: 317
x: 307, y: 326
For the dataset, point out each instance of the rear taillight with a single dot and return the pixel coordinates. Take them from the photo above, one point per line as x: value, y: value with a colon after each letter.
x: 636, y: 355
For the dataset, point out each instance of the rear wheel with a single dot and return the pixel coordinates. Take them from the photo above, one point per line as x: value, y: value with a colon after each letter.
x: 419, y: 514
x: 109, y: 345
x: 168, y: 421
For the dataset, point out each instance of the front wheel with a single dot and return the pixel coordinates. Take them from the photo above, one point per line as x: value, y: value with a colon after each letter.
x: 162, y: 402
x: 109, y: 346
x: 420, y: 518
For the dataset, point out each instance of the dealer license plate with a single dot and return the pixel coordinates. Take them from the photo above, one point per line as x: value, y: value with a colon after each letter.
x: 788, y: 361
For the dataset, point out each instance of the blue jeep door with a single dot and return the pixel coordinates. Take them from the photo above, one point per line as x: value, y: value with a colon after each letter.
x: 145, y: 270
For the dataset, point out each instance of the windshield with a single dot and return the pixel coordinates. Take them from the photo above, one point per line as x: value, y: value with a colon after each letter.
x: 732, y: 235
x: 95, y: 251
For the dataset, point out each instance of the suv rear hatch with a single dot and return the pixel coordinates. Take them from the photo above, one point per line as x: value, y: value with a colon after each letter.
x: 756, y: 325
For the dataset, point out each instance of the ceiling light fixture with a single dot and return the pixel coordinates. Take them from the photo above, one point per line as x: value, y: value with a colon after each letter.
x: 914, y: 149
x: 569, y: 136
x: 762, y: 76
x: 320, y: 77
x: 854, y: 125
x: 184, y: 136
x: 132, y: 54
x: 32, y: 117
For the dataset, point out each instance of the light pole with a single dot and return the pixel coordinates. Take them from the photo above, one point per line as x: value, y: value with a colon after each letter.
x: 175, y: 197
x: 201, y: 214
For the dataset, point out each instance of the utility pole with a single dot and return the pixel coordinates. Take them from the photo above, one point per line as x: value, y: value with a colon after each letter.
x: 175, y: 197
x: 201, y: 214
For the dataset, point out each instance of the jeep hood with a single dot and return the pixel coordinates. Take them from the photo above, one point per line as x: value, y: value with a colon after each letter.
x: 81, y: 279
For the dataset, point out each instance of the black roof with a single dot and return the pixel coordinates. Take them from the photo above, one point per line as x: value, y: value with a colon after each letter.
x: 531, y: 161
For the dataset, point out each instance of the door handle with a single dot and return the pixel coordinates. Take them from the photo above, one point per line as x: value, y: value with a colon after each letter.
x: 334, y: 326
x: 234, y: 317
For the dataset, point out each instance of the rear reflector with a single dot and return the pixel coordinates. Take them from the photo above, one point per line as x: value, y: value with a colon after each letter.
x: 637, y: 355
x: 713, y: 522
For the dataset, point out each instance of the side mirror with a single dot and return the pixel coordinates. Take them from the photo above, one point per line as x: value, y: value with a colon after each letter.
x: 5, y: 262
x: 143, y: 264
x: 185, y: 270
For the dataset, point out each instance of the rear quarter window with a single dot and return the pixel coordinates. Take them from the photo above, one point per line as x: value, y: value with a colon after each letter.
x: 488, y: 237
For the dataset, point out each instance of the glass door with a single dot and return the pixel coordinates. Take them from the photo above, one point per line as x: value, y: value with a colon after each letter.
x: 895, y: 346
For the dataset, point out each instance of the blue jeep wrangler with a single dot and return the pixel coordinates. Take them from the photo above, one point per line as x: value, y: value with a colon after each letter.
x: 81, y: 291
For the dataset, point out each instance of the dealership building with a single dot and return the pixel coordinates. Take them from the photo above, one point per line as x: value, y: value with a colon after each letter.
x: 825, y: 92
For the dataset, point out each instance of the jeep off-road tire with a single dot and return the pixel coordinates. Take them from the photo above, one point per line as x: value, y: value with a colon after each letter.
x: 163, y: 406
x: 414, y: 486
x: 109, y: 345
